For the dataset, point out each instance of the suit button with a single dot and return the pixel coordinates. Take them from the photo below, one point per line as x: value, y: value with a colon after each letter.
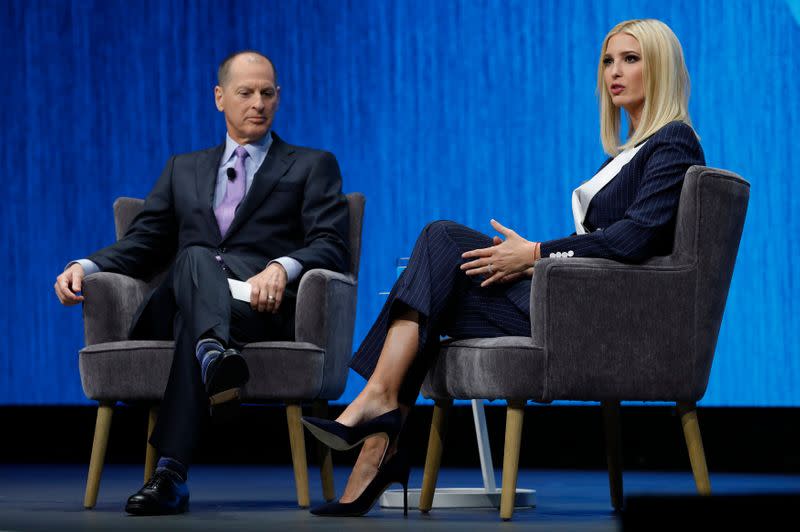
x: 570, y: 253
x: 223, y: 250
x: 558, y: 254
x: 552, y: 255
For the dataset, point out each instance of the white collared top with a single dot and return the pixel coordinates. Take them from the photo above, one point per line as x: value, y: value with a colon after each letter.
x: 582, y: 196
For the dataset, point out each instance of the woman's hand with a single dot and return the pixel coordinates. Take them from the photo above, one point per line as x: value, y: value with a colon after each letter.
x: 512, y: 277
x: 505, y: 258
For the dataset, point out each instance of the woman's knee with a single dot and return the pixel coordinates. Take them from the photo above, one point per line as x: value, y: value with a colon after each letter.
x: 439, y: 228
x: 463, y: 237
x: 441, y: 225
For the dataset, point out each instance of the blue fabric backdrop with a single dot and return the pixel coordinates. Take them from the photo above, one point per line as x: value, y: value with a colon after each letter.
x: 455, y: 109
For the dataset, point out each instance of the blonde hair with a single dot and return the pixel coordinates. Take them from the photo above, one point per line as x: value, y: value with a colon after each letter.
x: 666, y: 85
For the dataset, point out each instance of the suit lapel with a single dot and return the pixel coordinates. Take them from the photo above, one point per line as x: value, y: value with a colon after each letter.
x: 277, y: 162
x: 206, y: 180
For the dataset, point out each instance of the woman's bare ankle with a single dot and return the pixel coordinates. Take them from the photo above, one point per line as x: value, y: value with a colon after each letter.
x: 370, y: 403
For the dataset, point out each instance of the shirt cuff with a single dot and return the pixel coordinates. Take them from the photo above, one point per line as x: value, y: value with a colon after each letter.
x: 292, y: 266
x: 88, y: 266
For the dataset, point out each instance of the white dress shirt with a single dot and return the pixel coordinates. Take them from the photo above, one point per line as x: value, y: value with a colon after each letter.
x: 582, y: 196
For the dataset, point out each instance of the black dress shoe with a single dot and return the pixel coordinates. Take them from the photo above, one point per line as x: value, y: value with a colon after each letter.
x: 163, y: 494
x: 225, y: 376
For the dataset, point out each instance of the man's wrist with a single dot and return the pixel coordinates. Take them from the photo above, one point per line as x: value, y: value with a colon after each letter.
x: 89, y: 267
x: 290, y: 266
x: 276, y: 263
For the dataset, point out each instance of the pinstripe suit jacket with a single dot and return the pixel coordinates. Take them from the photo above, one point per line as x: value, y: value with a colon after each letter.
x: 632, y: 218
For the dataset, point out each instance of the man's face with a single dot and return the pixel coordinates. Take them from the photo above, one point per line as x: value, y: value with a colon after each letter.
x: 249, y: 98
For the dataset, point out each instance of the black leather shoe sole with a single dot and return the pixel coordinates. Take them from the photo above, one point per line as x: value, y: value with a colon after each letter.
x: 153, y: 508
x: 229, y: 371
x: 225, y: 378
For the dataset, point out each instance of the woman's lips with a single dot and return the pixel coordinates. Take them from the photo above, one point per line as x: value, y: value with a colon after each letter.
x: 616, y: 89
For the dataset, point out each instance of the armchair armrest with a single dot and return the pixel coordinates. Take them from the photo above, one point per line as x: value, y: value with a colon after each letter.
x: 325, y: 316
x: 110, y: 302
x: 616, y: 331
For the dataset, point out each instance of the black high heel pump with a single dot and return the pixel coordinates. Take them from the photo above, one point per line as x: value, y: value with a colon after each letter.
x: 395, y: 469
x: 341, y: 437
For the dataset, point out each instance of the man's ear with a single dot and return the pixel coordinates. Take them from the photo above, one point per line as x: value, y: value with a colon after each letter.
x: 218, y: 98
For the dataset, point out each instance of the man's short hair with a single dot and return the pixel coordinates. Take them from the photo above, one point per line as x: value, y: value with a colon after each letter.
x: 223, y: 72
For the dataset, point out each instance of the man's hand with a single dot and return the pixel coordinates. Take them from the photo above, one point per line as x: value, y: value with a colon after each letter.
x: 268, y: 286
x: 68, y: 285
x: 504, y: 259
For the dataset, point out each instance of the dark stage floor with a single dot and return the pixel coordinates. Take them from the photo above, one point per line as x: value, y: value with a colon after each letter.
x: 49, y: 497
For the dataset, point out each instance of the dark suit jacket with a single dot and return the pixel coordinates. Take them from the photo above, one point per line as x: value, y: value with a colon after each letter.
x: 633, y: 217
x: 295, y: 208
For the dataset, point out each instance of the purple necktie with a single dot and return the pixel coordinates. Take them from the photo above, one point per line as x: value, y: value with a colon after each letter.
x: 234, y: 192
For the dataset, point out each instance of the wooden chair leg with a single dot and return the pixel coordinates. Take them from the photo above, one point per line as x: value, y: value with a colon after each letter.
x: 320, y: 409
x: 613, y: 451
x: 297, y: 443
x: 101, y: 430
x: 150, y: 456
x: 514, y: 415
x: 433, y: 458
x: 694, y: 444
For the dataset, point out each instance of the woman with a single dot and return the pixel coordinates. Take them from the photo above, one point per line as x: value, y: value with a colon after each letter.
x: 463, y: 284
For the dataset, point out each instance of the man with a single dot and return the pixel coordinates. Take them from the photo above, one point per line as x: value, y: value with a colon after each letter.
x: 254, y: 209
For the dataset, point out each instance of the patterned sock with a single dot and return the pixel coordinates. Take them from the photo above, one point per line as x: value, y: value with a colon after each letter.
x: 207, y: 350
x: 173, y: 466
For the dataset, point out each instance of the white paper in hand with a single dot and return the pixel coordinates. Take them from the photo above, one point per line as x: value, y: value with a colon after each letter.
x: 240, y: 290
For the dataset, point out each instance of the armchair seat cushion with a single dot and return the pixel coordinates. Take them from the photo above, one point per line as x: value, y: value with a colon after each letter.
x: 131, y: 370
x: 509, y: 367
x: 285, y: 371
x: 137, y: 370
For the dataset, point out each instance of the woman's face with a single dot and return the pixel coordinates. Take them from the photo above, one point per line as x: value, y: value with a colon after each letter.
x: 623, y: 74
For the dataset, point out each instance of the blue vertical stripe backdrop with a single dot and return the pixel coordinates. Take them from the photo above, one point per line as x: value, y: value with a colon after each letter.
x: 464, y: 110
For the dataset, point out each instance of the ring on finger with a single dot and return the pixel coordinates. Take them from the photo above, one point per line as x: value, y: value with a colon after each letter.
x: 491, y: 269
x: 270, y: 298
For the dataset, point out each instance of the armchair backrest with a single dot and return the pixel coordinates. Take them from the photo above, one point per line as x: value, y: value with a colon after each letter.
x: 355, y: 202
x: 125, y: 210
x: 708, y: 229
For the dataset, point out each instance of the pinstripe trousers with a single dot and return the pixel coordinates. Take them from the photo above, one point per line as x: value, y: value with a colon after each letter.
x: 449, y: 303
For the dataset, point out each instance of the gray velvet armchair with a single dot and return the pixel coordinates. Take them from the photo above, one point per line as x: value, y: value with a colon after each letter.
x: 608, y: 332
x: 313, y: 368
